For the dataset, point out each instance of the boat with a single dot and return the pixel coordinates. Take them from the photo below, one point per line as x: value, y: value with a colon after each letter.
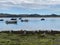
x: 1, y: 20
x: 24, y: 20
x: 20, y: 18
x: 11, y: 22
x: 13, y: 19
x: 42, y: 19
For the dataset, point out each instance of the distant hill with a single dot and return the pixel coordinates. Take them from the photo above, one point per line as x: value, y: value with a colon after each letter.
x: 27, y: 15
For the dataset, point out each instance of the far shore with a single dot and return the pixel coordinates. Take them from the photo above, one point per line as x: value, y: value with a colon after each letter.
x: 28, y: 15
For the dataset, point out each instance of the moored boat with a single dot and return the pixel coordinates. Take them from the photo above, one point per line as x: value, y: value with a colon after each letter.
x: 11, y: 22
x: 24, y: 20
x: 13, y: 19
x: 1, y: 20
x: 20, y: 18
x: 42, y: 19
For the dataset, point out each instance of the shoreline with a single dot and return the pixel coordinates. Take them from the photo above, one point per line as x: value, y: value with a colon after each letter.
x: 31, y: 32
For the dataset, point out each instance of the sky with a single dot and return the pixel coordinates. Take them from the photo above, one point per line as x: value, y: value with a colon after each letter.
x: 30, y: 6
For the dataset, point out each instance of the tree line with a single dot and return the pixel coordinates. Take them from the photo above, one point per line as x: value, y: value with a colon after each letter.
x: 27, y: 15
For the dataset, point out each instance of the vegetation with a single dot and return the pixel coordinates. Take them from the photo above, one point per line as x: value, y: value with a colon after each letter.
x: 29, y: 38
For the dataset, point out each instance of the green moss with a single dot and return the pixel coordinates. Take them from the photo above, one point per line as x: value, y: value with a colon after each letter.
x: 34, y: 39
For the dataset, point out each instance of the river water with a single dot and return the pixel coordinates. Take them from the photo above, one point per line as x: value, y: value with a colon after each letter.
x: 32, y: 24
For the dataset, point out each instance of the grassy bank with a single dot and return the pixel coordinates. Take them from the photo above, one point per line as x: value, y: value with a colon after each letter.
x: 29, y: 39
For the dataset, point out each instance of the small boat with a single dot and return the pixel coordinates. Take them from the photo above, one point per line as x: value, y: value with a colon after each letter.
x: 11, y: 22
x: 42, y: 19
x: 1, y: 20
x: 20, y: 18
x: 13, y: 19
x: 24, y: 20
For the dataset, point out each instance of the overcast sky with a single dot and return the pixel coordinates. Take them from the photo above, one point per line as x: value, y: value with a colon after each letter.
x: 30, y: 6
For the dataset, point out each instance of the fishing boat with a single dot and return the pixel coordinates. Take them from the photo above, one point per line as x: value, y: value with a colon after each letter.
x: 11, y: 22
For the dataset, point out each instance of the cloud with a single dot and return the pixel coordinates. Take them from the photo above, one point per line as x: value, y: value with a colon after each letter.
x: 30, y: 4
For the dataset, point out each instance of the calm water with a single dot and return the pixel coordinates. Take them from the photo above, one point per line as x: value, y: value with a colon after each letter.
x: 33, y: 24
